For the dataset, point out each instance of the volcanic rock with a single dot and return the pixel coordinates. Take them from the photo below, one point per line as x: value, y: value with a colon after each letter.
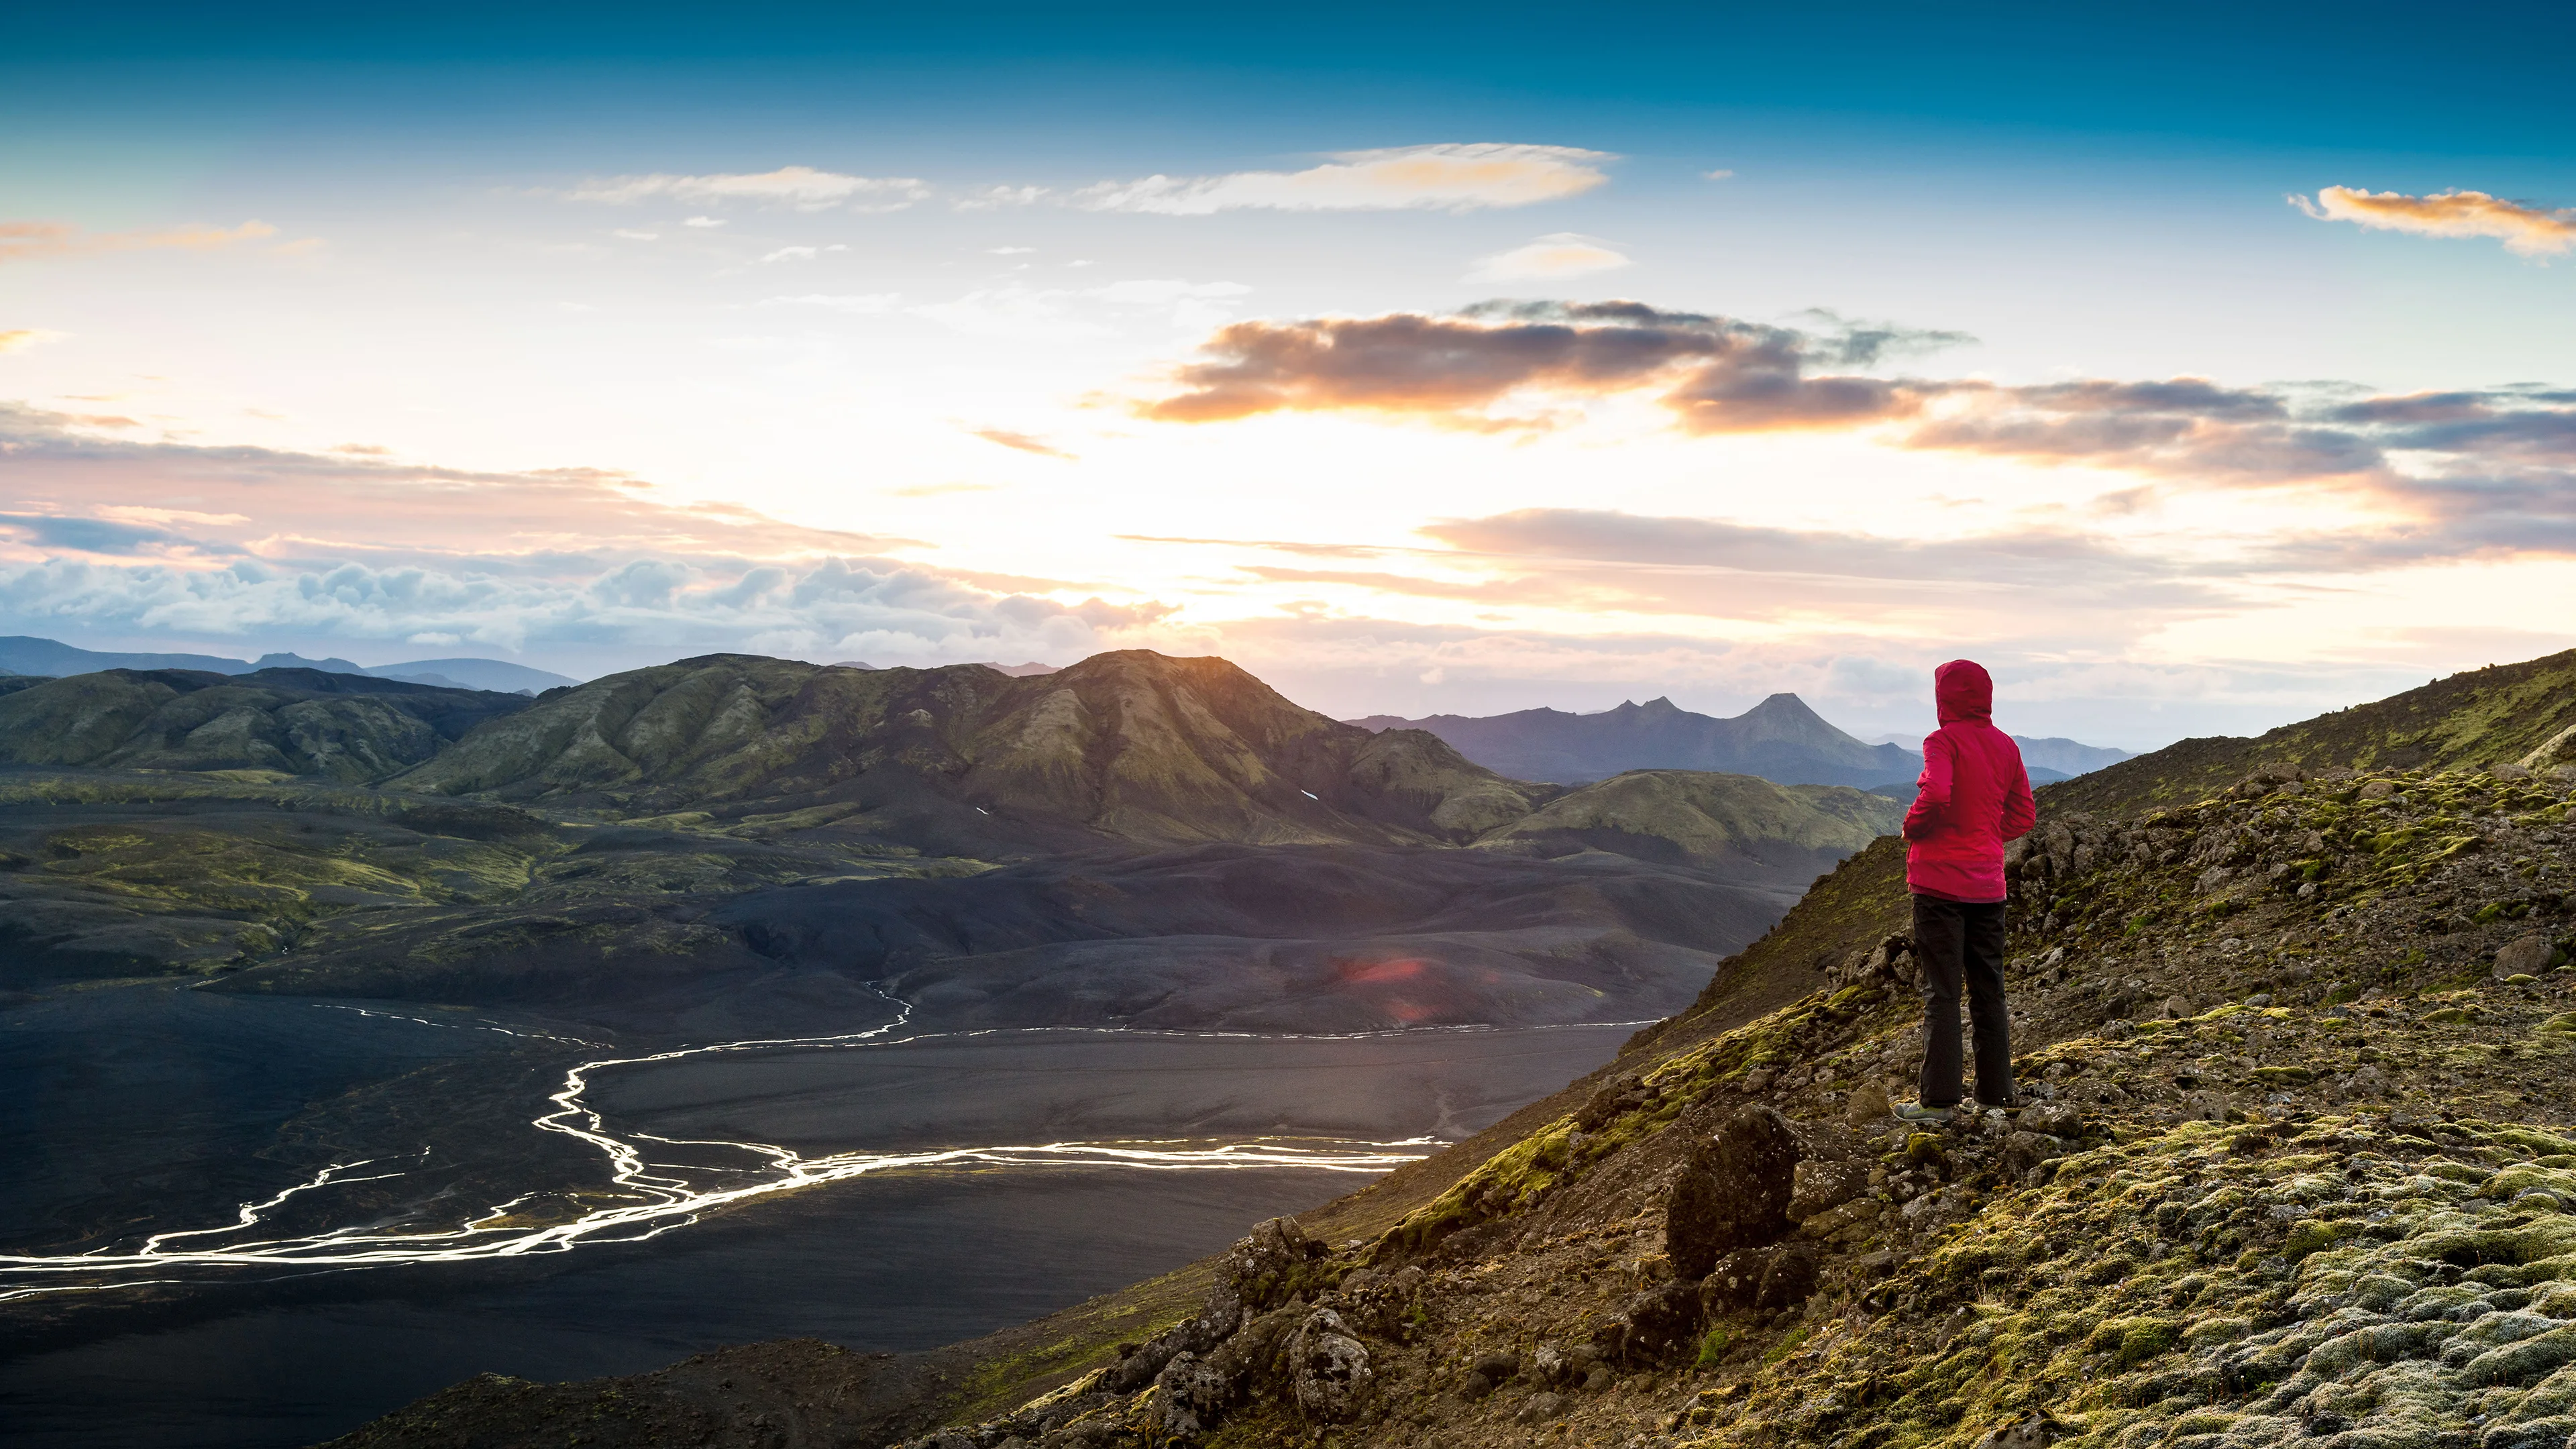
x: 1734, y: 1193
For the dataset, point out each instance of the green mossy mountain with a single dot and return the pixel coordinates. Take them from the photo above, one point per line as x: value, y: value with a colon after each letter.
x: 109, y: 874
x: 2299, y: 1168
x: 1737, y: 821
x: 1129, y: 746
x: 341, y: 727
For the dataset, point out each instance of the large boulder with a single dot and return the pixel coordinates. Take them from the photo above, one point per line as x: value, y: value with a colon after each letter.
x: 1764, y: 1279
x: 1733, y: 1193
x: 1260, y: 1270
x: 2524, y: 956
x: 1818, y: 1185
x: 1191, y: 1392
x: 1652, y: 1325
x: 1328, y: 1368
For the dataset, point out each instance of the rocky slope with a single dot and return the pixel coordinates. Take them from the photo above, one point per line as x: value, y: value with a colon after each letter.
x: 2523, y: 714
x: 1779, y: 739
x: 2300, y: 1168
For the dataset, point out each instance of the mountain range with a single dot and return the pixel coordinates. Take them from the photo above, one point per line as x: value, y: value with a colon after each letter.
x: 23, y: 655
x: 1779, y: 739
x: 653, y: 840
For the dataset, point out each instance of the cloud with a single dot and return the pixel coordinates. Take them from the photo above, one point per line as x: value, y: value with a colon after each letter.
x: 281, y: 504
x: 1718, y: 175
x: 993, y: 197
x: 637, y: 235
x: 21, y: 338
x: 1559, y: 254
x: 90, y: 535
x: 2014, y: 584
x: 1719, y: 375
x: 2481, y: 472
x: 704, y: 221
x: 566, y: 562
x: 1451, y: 177
x: 1023, y: 442
x: 22, y: 241
x: 1008, y: 251
x: 2525, y: 230
x: 801, y: 188
x: 858, y: 302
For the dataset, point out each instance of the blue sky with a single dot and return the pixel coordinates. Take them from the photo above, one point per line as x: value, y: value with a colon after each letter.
x: 593, y: 335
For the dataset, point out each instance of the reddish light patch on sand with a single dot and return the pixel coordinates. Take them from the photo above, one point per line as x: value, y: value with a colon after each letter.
x: 1402, y: 970
x: 1369, y: 973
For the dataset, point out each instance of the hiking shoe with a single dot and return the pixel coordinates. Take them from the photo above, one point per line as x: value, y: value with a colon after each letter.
x: 2010, y: 1106
x: 1917, y: 1112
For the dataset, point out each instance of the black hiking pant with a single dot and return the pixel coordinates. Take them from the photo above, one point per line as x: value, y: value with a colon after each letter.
x: 1956, y: 946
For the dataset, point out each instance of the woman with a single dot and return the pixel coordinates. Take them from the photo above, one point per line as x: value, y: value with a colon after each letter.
x: 1972, y: 797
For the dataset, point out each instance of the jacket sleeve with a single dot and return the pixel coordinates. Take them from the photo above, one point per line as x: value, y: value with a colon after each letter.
x: 2020, y: 811
x: 1931, y: 788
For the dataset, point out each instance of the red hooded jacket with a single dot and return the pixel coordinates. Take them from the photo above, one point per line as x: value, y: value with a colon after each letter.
x: 1973, y: 794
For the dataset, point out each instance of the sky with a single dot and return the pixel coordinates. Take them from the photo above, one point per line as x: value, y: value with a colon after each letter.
x: 2197, y: 370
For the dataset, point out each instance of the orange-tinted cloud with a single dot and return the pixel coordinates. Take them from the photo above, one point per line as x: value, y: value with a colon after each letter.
x: 1720, y: 375
x: 2492, y: 471
x: 22, y: 241
x: 1023, y: 442
x: 2529, y: 231
x: 267, y: 543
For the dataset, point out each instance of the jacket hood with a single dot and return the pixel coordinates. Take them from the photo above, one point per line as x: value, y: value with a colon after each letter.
x: 1963, y: 691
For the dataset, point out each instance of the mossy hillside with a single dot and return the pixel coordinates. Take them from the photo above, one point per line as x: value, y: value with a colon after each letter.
x: 1710, y: 818
x: 2501, y: 714
x: 1129, y: 745
x: 133, y: 873
x: 295, y: 721
x: 2397, y: 1282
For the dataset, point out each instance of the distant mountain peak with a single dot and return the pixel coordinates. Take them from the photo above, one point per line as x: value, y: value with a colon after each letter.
x: 1787, y: 717
x: 1780, y: 739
